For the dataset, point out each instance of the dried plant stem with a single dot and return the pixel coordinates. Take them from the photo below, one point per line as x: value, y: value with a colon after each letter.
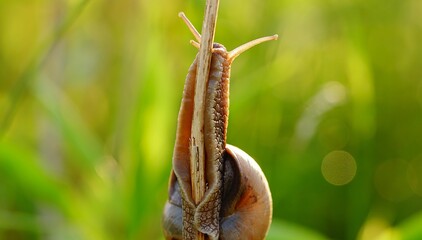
x: 197, y: 135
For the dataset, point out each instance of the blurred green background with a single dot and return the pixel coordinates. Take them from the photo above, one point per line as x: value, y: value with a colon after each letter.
x: 332, y: 111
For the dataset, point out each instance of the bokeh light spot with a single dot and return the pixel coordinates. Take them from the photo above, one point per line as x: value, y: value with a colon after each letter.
x: 338, y: 167
x: 334, y: 92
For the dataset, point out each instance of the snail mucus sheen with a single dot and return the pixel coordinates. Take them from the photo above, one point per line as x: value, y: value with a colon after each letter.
x: 237, y: 202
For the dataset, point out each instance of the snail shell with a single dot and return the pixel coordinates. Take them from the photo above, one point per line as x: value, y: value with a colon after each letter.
x: 246, y: 200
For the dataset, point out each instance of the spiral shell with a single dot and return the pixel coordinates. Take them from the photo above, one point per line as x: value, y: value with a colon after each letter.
x: 246, y: 200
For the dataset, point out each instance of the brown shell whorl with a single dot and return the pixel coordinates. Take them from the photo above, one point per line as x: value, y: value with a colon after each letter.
x: 247, y: 212
x: 246, y: 202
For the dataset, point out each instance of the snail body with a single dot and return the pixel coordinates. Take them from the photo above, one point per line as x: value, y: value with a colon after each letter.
x: 237, y: 202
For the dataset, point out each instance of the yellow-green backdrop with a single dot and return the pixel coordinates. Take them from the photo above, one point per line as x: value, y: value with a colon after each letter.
x: 332, y: 111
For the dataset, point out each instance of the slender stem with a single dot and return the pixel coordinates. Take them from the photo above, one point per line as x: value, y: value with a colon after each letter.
x: 197, y: 135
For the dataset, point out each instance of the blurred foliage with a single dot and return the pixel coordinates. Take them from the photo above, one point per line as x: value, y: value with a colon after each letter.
x: 90, y: 91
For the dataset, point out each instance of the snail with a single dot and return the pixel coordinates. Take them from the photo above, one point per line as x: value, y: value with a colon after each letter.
x: 237, y: 203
